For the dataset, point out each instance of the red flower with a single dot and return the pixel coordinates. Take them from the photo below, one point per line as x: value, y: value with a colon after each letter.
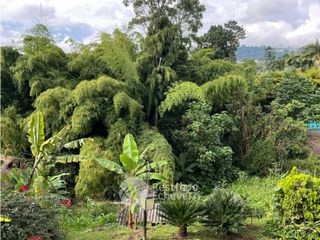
x: 24, y: 188
x: 67, y: 202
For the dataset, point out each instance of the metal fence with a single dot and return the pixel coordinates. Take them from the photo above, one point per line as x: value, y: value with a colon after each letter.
x: 153, y: 216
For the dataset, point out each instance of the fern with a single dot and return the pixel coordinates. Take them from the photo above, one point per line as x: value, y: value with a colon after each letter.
x: 218, y: 92
x: 180, y: 93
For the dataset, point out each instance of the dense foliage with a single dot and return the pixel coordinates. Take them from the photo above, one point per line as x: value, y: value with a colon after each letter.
x: 183, y: 97
x: 297, y: 198
x: 297, y: 204
x: 28, y: 218
x: 196, y: 103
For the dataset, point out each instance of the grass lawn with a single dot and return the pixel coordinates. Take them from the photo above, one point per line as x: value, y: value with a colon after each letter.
x: 196, y: 231
x: 96, y: 220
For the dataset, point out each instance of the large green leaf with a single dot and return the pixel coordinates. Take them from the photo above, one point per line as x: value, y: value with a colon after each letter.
x: 127, y: 162
x: 152, y: 176
x: 157, y: 176
x: 75, y: 144
x: 49, y: 145
x: 154, y: 166
x: 69, y: 158
x: 130, y: 148
x: 110, y: 165
x: 36, y: 132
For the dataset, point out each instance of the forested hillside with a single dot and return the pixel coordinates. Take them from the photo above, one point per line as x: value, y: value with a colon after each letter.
x: 182, y: 96
x: 258, y: 53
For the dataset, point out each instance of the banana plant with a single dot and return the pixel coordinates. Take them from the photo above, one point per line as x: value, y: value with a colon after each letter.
x: 41, y: 148
x: 133, y: 167
x: 71, y: 158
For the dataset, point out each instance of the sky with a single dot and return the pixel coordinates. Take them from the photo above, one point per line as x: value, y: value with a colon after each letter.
x: 276, y: 23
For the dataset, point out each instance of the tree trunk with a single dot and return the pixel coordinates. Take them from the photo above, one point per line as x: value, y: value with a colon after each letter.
x: 182, y: 232
x: 130, y: 223
x: 156, y: 117
x: 37, y: 161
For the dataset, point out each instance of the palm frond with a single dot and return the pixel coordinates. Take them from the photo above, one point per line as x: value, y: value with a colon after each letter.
x: 75, y: 144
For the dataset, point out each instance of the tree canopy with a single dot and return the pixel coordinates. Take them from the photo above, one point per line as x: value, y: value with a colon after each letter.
x: 182, y: 96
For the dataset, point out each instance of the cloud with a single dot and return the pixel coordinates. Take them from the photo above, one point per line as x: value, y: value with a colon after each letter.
x: 8, y: 36
x: 309, y: 29
x: 267, y: 33
x: 78, y: 19
x: 267, y: 22
x: 273, y: 10
x: 26, y: 14
x: 284, y: 33
x: 291, y: 23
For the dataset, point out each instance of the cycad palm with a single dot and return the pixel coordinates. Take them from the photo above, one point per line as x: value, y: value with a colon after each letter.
x: 225, y: 211
x: 181, y: 211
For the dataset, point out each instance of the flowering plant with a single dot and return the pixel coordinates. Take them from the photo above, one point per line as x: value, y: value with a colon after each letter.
x: 67, y: 202
x: 24, y: 188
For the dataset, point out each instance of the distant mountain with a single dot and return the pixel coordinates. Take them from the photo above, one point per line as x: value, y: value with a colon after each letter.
x: 257, y: 53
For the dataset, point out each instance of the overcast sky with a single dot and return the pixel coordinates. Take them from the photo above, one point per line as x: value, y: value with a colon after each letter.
x: 276, y: 23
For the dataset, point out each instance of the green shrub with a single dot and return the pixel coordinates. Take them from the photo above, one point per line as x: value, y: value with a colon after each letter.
x: 226, y: 211
x: 95, y: 181
x: 88, y: 214
x: 303, y: 231
x: 261, y: 157
x: 13, y: 140
x: 291, y: 139
x: 92, y: 179
x: 294, y: 87
x: 28, y: 218
x: 311, y: 165
x: 297, y: 198
x: 204, y: 138
x: 181, y: 210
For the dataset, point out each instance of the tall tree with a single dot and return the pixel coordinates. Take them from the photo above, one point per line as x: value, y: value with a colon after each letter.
x: 269, y: 57
x: 9, y: 91
x: 310, y: 55
x: 164, y: 48
x: 42, y: 65
x: 223, y: 39
x: 187, y: 14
